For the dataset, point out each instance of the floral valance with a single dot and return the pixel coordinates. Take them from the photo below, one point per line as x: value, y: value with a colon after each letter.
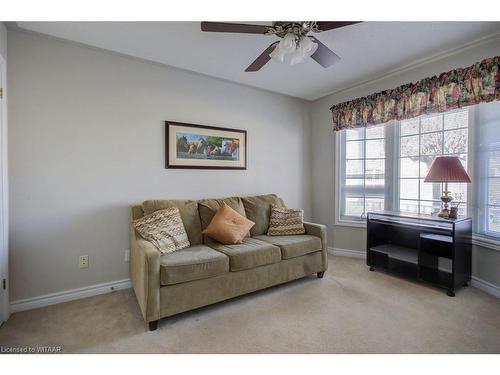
x: 457, y: 88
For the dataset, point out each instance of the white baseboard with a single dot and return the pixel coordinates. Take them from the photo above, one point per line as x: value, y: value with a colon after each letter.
x: 68, y: 295
x: 346, y: 252
x: 485, y: 286
x: 476, y: 282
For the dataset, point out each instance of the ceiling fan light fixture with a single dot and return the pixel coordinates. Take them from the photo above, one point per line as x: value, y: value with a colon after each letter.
x: 307, y: 46
x: 297, y: 57
x: 288, y: 44
x: 277, y: 54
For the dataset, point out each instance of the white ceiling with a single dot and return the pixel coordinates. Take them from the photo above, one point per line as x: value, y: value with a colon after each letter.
x: 367, y: 50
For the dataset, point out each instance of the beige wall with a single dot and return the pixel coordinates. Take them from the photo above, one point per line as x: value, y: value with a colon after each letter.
x: 87, y: 140
x: 3, y: 41
x: 486, y: 262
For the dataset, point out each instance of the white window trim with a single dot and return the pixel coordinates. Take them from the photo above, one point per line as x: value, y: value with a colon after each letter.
x: 477, y: 239
x: 337, y: 175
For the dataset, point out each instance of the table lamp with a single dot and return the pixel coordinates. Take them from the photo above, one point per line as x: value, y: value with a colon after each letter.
x: 446, y: 169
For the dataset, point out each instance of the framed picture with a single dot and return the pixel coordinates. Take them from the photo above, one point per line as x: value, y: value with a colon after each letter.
x: 204, y: 147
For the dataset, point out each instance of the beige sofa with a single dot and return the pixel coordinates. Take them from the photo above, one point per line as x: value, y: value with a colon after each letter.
x: 210, y: 272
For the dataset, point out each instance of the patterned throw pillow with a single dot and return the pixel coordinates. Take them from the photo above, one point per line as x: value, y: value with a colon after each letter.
x: 285, y: 221
x: 164, y: 229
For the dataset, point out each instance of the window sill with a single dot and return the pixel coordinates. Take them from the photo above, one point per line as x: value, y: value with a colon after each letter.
x: 350, y: 223
x: 477, y: 239
x: 486, y: 242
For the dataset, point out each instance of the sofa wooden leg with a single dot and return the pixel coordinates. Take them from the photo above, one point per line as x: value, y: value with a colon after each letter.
x: 153, y: 325
x: 321, y: 274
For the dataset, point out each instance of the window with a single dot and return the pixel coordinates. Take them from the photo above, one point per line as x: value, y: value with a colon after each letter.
x: 363, y: 171
x: 383, y: 167
x: 488, y: 169
x: 421, y: 139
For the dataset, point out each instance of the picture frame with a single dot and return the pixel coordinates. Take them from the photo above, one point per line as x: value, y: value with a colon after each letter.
x: 193, y: 146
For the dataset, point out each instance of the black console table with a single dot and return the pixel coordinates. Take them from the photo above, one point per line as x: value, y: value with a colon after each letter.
x: 422, y: 247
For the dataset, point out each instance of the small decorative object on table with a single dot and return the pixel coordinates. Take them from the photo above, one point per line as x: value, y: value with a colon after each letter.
x: 447, y: 169
x: 454, y: 211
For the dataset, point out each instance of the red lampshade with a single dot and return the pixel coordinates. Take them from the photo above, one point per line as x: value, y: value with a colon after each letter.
x: 447, y: 169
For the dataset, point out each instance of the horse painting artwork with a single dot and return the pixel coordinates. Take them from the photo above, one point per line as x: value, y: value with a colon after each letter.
x: 198, y: 146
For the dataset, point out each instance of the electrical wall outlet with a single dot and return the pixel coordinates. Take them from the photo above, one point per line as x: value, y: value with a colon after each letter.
x: 127, y: 255
x: 83, y: 261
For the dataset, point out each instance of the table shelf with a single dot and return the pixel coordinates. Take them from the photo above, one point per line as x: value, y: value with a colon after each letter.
x: 401, y: 253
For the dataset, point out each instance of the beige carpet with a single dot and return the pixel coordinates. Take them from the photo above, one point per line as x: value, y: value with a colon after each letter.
x: 351, y: 310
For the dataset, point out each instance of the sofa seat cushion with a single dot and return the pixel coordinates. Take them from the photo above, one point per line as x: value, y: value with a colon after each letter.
x: 192, y: 263
x: 250, y: 253
x: 295, y: 245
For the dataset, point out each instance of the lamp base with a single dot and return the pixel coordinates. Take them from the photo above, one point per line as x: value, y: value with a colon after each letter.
x: 445, y: 198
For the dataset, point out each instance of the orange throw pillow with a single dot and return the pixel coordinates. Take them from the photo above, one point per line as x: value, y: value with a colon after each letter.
x: 228, y: 226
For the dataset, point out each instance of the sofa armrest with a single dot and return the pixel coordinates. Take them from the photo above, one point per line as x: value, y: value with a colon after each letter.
x: 145, y: 274
x: 319, y: 230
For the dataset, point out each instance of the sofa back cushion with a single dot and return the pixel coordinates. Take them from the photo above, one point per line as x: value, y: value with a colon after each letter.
x: 188, y: 210
x: 258, y: 210
x: 208, y: 208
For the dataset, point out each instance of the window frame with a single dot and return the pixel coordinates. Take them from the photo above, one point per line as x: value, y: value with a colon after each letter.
x: 392, y: 142
x: 390, y: 168
x: 397, y: 157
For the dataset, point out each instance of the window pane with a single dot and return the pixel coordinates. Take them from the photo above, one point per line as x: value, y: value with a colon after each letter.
x: 408, y: 188
x: 354, y: 168
x: 435, y: 135
x: 351, y: 134
x: 494, y: 164
x: 455, y: 141
x: 354, y: 182
x: 455, y: 120
x: 375, y: 182
x: 430, y: 190
x: 375, y: 168
x: 494, y: 191
x: 363, y: 171
x: 375, y: 148
x: 431, y: 144
x: 429, y: 207
x: 353, y: 206
x: 494, y: 219
x: 462, y: 209
x: 431, y: 124
x: 409, y: 167
x: 425, y: 165
x: 375, y: 132
x: 409, y: 146
x: 374, y: 204
x: 354, y: 149
x: 458, y: 191
x: 408, y: 206
x: 410, y: 126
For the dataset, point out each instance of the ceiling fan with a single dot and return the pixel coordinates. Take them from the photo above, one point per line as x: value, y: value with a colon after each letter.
x: 295, y: 44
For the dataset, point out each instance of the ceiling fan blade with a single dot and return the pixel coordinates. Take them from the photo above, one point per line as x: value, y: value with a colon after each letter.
x: 330, y: 25
x: 324, y: 56
x: 226, y: 27
x: 262, y: 60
